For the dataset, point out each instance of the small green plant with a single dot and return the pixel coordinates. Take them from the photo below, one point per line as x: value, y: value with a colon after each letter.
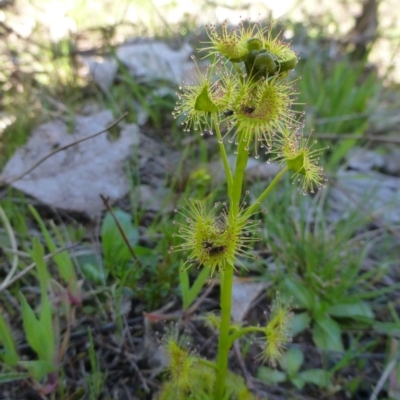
x: 136, y: 267
x: 291, y: 364
x: 62, y: 259
x: 95, y: 380
x: 323, y: 314
x: 245, y: 92
x: 116, y: 251
x: 320, y: 266
x: 42, y: 331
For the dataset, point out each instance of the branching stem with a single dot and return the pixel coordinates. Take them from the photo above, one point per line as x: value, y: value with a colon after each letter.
x: 243, y: 331
x: 241, y: 163
x: 224, y: 344
x: 225, y: 160
x: 265, y: 193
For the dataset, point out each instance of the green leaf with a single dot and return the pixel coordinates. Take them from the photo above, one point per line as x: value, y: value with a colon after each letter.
x: 62, y: 259
x: 300, y: 293
x: 388, y: 328
x: 7, y: 377
x: 204, y: 102
x: 326, y: 334
x: 31, y: 325
x: 9, y: 353
x: 38, y: 369
x: 46, y: 314
x: 317, y: 377
x: 198, y: 284
x: 297, y: 381
x: 46, y: 323
x: 38, y: 257
x: 145, y: 255
x: 36, y: 336
x: 351, y: 310
x: 299, y: 323
x: 319, y: 309
x: 292, y: 361
x: 184, y: 281
x: 271, y: 376
x: 359, y: 323
x: 93, y: 273
x: 115, y: 249
x: 296, y: 164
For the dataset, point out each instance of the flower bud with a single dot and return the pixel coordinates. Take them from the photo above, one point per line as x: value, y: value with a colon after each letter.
x: 254, y: 44
x: 265, y: 64
x: 287, y: 65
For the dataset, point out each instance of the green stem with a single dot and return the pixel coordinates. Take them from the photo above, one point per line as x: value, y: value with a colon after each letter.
x: 241, y: 163
x: 207, y: 363
x: 265, y: 193
x: 223, y: 340
x: 239, y: 71
x: 225, y: 161
x: 243, y: 331
x: 224, y: 344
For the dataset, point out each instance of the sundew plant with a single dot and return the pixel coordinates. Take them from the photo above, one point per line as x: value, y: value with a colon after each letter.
x: 245, y: 97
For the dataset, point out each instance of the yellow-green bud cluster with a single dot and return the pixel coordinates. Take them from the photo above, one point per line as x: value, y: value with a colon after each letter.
x: 262, y: 54
x: 255, y: 105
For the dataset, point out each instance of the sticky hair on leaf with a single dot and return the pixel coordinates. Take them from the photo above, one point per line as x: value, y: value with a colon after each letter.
x: 180, y: 362
x: 294, y: 151
x: 276, y: 333
x: 214, y: 238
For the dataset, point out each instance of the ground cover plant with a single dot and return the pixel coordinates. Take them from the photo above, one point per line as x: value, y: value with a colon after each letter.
x: 135, y: 304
